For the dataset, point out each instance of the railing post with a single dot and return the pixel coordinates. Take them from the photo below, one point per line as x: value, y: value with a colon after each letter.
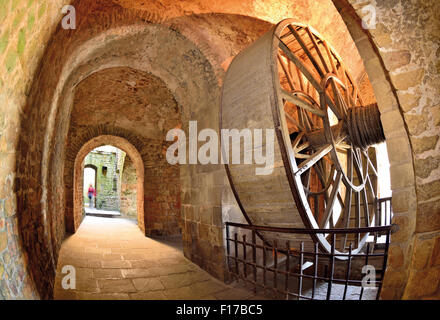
x: 254, y: 259
x: 301, y: 262
x: 228, y: 249
x: 237, y: 272
x: 244, y: 257
x: 275, y: 264
x: 286, y: 285
x: 315, y: 262
x: 332, y: 266
x: 347, y: 275
x: 366, y: 263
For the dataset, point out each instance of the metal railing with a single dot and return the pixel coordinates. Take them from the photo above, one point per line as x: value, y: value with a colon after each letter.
x: 290, y: 271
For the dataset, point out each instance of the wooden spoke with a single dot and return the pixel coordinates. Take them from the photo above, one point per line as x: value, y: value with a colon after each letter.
x: 296, y: 123
x: 313, y: 159
x: 301, y: 103
x: 308, y: 74
x: 357, y: 212
x: 297, y: 140
x: 302, y: 147
x: 366, y: 209
x: 348, y: 195
x: 300, y: 65
x: 300, y: 78
x: 286, y: 72
x: 331, y: 201
x: 325, y: 185
x: 306, y: 50
x: 370, y: 163
x: 315, y: 45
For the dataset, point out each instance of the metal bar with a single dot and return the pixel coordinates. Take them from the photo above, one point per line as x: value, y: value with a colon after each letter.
x: 366, y: 263
x: 332, y: 266
x: 244, y: 257
x: 264, y: 268
x: 254, y: 258
x: 301, y: 261
x: 228, y: 249
x: 315, y: 275
x: 286, y: 285
x: 310, y: 231
x: 236, y: 253
x: 275, y: 253
x: 347, y: 276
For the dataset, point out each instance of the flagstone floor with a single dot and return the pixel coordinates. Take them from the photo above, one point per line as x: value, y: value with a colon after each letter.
x: 113, y: 260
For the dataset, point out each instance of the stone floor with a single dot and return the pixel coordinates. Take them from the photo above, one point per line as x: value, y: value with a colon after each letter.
x: 113, y: 260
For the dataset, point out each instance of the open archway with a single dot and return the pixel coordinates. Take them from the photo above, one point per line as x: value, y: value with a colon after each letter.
x: 131, y: 151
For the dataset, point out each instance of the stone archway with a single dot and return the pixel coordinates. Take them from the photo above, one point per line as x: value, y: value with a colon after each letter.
x: 400, y: 152
x: 95, y: 183
x: 134, y: 155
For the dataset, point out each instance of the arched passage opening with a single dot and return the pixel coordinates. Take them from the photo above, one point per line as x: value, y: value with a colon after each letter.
x: 90, y: 174
x: 135, y: 157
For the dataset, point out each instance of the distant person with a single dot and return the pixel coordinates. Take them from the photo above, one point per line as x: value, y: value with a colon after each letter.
x: 91, y: 193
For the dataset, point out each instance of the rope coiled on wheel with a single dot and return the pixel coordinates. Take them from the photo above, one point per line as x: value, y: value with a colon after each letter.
x: 364, y: 126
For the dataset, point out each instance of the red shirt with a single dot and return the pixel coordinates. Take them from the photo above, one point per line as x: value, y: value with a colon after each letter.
x: 92, y: 190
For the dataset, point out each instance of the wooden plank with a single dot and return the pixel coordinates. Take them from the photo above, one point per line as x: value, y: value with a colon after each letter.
x: 301, y: 103
x: 304, y: 166
x: 331, y: 201
x: 286, y: 72
x: 306, y: 50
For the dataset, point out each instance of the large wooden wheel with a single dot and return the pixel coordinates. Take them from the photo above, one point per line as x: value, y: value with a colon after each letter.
x: 324, y: 176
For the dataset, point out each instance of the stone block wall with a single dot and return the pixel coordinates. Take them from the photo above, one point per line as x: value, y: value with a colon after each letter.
x: 401, y: 56
x: 25, y: 29
x: 128, y: 190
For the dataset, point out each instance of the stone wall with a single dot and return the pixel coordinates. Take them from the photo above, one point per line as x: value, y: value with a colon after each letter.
x: 25, y: 29
x: 401, y: 56
x: 128, y: 190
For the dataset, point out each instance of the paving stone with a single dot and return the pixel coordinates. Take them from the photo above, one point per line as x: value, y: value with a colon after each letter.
x: 116, y: 286
x: 148, y: 284
x: 135, y: 273
x: 155, y: 295
x: 107, y: 273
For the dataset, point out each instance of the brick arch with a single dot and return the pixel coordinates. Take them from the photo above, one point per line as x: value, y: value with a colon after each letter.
x: 399, y: 151
x: 95, y: 137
